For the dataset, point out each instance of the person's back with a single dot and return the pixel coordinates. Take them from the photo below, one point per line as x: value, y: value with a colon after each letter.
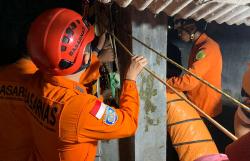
x: 210, y: 69
x: 46, y: 101
x: 66, y: 121
x: 15, y: 136
x: 205, y: 61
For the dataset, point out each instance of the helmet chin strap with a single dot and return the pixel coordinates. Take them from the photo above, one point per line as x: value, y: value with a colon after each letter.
x: 85, y: 66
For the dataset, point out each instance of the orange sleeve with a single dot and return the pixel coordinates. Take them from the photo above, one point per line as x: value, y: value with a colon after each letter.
x: 127, y: 117
x: 187, y: 82
x: 92, y: 72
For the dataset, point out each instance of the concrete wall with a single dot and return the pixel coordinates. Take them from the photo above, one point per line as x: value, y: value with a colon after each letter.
x: 150, y: 140
x: 149, y: 143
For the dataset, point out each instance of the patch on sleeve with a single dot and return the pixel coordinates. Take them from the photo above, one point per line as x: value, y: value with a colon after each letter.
x: 80, y: 89
x: 110, y: 117
x: 98, y: 109
x: 200, y: 55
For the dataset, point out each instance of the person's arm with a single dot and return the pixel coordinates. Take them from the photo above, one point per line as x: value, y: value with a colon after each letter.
x: 92, y: 72
x: 200, y: 67
x: 241, y: 122
x: 100, y: 44
x: 100, y: 55
x: 100, y: 121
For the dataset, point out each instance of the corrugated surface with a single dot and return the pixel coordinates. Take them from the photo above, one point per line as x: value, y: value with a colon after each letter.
x: 228, y: 11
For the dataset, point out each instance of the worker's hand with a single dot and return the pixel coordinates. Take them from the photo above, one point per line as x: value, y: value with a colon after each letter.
x: 101, y: 41
x: 107, y: 55
x: 86, y: 57
x: 107, y: 45
x: 135, y: 67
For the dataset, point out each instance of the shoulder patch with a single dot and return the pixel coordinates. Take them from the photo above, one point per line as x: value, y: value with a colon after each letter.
x: 79, y: 89
x: 98, y: 109
x: 200, y: 55
x: 110, y: 117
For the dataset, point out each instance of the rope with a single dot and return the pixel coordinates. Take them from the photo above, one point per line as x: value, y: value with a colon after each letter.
x: 111, y: 28
x: 131, y: 54
x: 225, y: 131
x: 197, y: 77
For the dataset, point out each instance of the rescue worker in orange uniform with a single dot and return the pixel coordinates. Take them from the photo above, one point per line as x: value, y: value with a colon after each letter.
x: 205, y: 61
x: 189, y: 135
x: 15, y: 138
x: 19, y: 147
x: 242, y: 116
x: 66, y: 121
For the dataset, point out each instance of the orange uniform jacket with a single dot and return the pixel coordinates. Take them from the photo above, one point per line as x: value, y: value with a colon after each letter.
x: 190, y: 136
x: 67, y: 123
x: 15, y: 135
x: 206, y: 62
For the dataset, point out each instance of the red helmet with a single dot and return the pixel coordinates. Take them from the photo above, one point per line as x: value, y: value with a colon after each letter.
x: 57, y: 40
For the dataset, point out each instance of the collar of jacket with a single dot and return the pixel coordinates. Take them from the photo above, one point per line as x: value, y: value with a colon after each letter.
x: 201, y: 39
x: 64, y: 82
